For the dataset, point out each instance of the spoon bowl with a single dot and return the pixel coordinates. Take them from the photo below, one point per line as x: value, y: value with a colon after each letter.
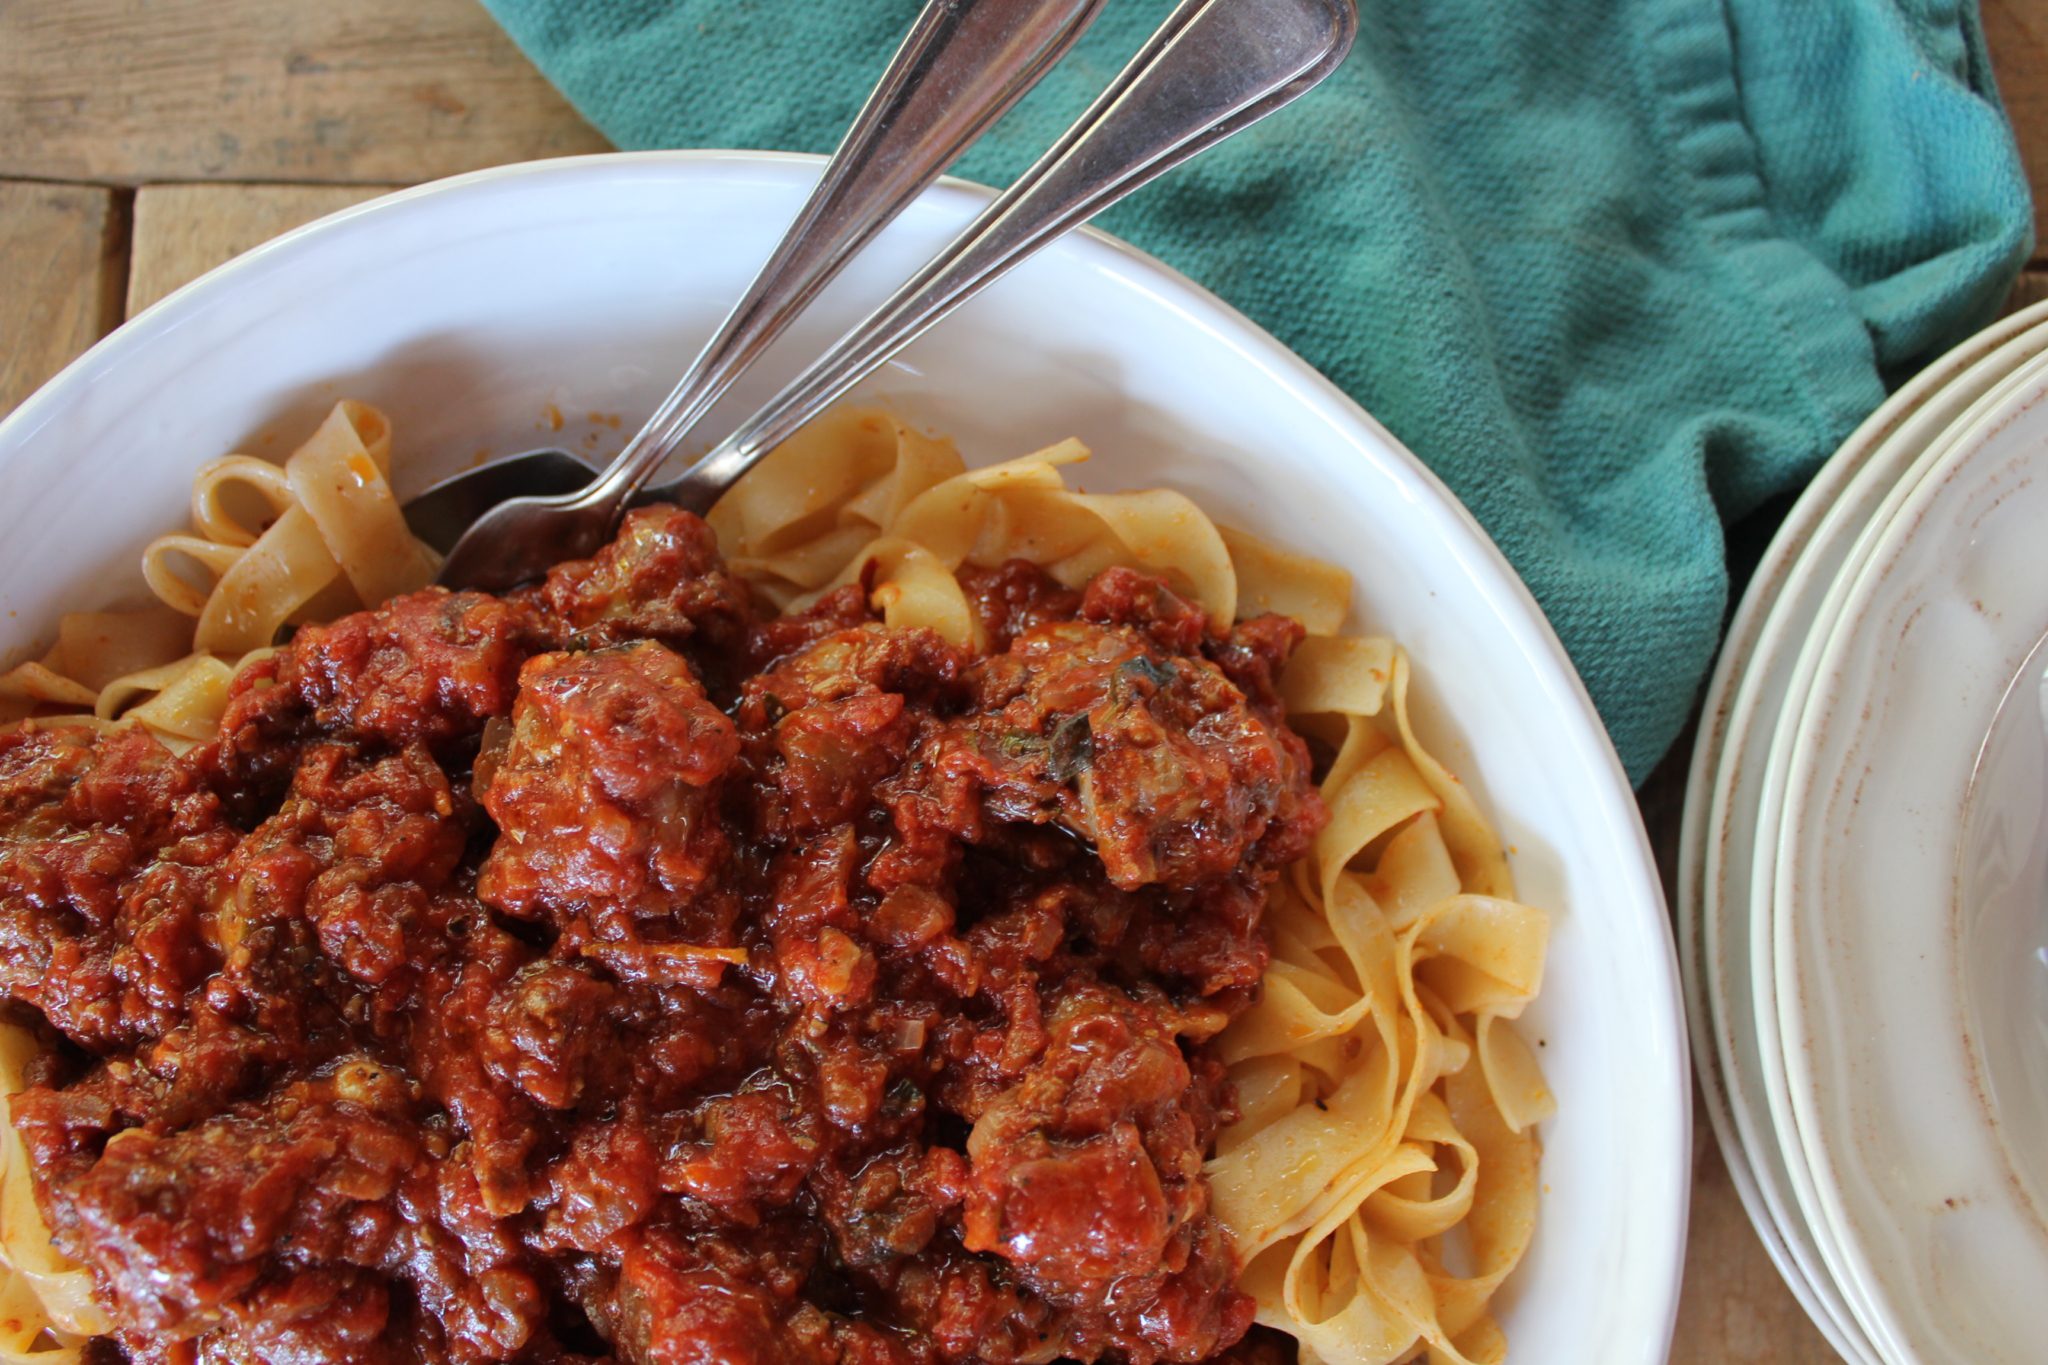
x: 440, y: 514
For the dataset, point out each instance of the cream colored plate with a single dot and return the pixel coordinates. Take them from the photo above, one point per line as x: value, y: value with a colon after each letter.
x: 1923, y: 1185
x: 1723, y: 789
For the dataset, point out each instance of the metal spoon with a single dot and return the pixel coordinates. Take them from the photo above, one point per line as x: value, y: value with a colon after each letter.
x: 1213, y: 69
x: 962, y: 66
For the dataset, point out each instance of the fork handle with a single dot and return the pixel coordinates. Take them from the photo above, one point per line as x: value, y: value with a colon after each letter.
x: 1213, y: 68
x: 962, y: 66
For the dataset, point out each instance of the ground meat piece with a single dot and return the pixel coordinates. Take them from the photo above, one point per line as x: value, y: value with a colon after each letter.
x: 773, y: 640
x: 249, y: 761
x: 818, y: 962
x: 1064, y: 1182
x: 891, y: 1207
x: 748, y: 1149
x: 676, y: 1311
x: 1154, y: 758
x: 481, y: 1288
x: 1124, y: 597
x: 318, y: 1313
x: 421, y: 669
x: 1087, y: 1177
x: 831, y: 720
x: 39, y: 764
x: 608, y: 1181
x: 607, y: 793
x: 328, y: 906
x: 860, y: 660
x: 546, y: 1024
x: 383, y: 832
x: 111, y: 850
x: 1013, y: 597
x: 697, y: 1302
x: 136, y: 785
x: 660, y: 579
x: 447, y: 1031
x: 1252, y: 654
x: 185, y: 1229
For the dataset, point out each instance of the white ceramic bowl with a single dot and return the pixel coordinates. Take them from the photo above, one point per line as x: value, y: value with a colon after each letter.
x: 471, y: 308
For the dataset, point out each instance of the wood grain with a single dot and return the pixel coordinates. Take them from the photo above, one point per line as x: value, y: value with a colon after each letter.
x: 183, y: 231
x: 1734, y: 1309
x: 2016, y: 31
x: 2031, y: 288
x: 368, y: 91
x: 65, y: 249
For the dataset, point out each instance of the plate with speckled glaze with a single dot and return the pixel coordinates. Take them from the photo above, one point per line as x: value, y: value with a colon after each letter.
x: 1925, y: 1184
x: 1736, y: 729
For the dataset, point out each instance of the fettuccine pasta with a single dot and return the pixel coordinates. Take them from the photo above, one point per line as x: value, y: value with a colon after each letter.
x: 47, y: 1311
x: 327, y: 538
x: 1381, y: 1180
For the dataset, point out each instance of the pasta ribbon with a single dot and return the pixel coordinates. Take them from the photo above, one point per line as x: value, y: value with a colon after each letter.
x: 1349, y: 1172
x: 47, y: 1311
x: 318, y: 537
x: 860, y: 497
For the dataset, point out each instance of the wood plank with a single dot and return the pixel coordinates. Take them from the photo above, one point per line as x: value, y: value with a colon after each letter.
x: 1734, y: 1309
x: 65, y: 247
x: 183, y: 231
x: 2030, y: 288
x: 365, y: 92
x: 2016, y: 31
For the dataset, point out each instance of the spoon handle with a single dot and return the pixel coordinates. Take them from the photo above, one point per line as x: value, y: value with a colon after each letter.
x: 1213, y: 68
x: 962, y: 66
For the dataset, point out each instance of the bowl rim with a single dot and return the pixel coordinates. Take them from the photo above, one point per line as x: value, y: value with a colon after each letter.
x: 1497, y: 585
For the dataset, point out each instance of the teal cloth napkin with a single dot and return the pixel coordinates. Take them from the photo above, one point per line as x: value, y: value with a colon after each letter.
x: 1623, y: 272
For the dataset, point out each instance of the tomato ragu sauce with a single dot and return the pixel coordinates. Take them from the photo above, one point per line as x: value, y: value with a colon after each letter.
x: 610, y: 972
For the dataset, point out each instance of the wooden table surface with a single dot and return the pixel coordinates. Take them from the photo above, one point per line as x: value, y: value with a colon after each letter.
x: 143, y: 142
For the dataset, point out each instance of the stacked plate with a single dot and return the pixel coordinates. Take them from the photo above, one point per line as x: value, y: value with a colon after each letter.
x: 1863, y: 891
